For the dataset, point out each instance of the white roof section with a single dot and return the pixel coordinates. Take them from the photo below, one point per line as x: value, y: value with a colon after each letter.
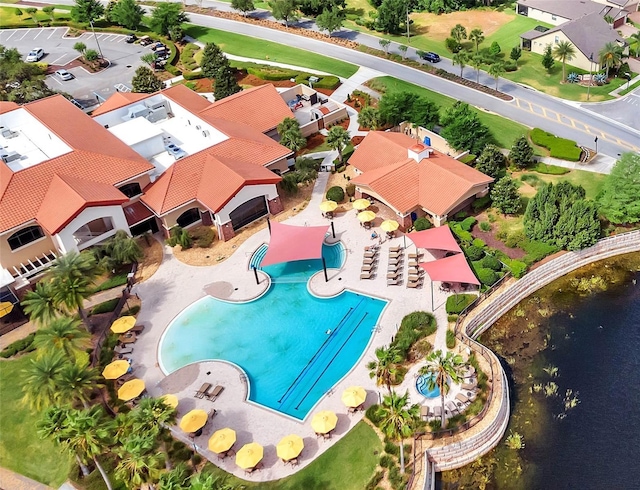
x: 135, y: 131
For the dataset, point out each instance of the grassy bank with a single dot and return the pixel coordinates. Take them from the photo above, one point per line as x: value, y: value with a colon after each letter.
x: 504, y: 130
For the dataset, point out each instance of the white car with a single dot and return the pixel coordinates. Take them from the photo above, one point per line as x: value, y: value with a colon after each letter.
x: 63, y: 75
x: 35, y: 55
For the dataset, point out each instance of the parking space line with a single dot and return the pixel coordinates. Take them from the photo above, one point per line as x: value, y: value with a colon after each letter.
x: 13, y: 31
x: 24, y: 35
x: 53, y: 31
x: 56, y: 79
x: 40, y: 31
x: 55, y: 62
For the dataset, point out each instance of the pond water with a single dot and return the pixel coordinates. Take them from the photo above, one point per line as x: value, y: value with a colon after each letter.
x: 572, y: 352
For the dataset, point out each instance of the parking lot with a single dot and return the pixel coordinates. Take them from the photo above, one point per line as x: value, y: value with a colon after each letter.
x: 86, y: 87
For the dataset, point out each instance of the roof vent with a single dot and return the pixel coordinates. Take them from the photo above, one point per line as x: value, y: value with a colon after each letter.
x: 198, y: 128
x: 205, y: 133
x: 418, y: 152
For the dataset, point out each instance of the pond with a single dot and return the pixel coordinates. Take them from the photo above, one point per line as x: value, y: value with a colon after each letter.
x: 572, y: 352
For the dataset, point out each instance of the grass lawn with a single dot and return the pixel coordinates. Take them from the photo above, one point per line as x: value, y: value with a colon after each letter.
x: 630, y: 89
x: 252, y: 47
x: 8, y: 17
x: 348, y: 465
x: 508, y: 35
x: 21, y: 449
x: 504, y: 131
x: 591, y: 181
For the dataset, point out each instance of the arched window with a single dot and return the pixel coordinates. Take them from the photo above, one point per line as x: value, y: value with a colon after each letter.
x: 25, y: 236
x: 188, y: 217
x: 131, y: 190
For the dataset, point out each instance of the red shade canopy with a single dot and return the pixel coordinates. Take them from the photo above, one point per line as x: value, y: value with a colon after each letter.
x: 439, y: 238
x: 289, y: 243
x: 451, y: 269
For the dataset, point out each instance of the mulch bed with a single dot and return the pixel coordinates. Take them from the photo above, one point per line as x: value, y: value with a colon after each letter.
x: 313, y: 142
x: 205, y: 85
x: 356, y: 140
x: 490, y: 239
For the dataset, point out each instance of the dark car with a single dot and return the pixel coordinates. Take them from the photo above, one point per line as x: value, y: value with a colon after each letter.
x: 431, y: 57
x: 131, y: 38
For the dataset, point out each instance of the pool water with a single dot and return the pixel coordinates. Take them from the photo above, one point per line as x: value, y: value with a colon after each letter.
x: 422, y: 385
x: 293, y: 346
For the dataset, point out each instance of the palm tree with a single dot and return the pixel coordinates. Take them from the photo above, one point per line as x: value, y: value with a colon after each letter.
x: 611, y: 56
x: 176, y: 479
x: 476, y: 63
x: 460, y: 58
x: 476, y: 35
x: 337, y: 139
x: 397, y: 419
x: 290, y: 135
x: 441, y: 367
x: 73, y: 276
x: 63, y: 335
x: 52, y: 425
x: 153, y: 415
x: 40, y: 304
x: 206, y: 481
x: 119, y: 250
x: 635, y: 39
x: 77, y: 382
x: 459, y: 32
x: 369, y: 118
x: 138, y: 462
x: 564, y: 51
x: 384, y: 369
x: 496, y: 70
x: 41, y: 382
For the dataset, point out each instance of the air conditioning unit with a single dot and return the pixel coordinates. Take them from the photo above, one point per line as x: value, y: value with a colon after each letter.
x: 205, y: 133
x: 198, y: 128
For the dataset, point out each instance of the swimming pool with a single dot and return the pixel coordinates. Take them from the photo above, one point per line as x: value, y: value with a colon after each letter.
x: 293, y: 346
x: 422, y: 385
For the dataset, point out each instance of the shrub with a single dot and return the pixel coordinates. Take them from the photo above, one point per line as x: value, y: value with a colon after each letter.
x: 485, y: 226
x: 289, y: 183
x: 173, y: 70
x: 544, y: 168
x: 391, y: 448
x: 375, y: 479
x: 112, y: 282
x: 452, y: 318
x: 22, y: 345
x: 105, y: 307
x: 468, y: 223
x: 487, y: 276
x: 517, y: 268
x: 133, y: 311
x: 490, y: 262
x: 536, y: 250
x: 372, y: 415
x: 515, y: 239
x: 193, y: 75
x: 561, y: 148
x: 413, y: 327
x: 203, y: 236
x: 495, y: 49
x: 336, y: 194
x: 510, y: 66
x: 481, y: 203
x: 473, y: 252
x: 178, y: 236
x: 457, y: 230
x: 422, y: 223
x: 451, y: 339
x: 387, y: 461
x: 351, y: 190
x: 456, y: 303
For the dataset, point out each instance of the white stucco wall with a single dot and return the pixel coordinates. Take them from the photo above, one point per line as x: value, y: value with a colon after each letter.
x: 65, y: 240
x: 247, y: 193
x: 545, y: 17
x: 579, y: 60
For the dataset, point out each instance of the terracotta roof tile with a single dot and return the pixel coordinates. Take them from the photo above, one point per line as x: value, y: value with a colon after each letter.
x: 260, y: 107
x: 379, y: 149
x: 187, y: 98
x: 6, y: 106
x: 249, y: 151
x: 118, y: 100
x: 136, y: 212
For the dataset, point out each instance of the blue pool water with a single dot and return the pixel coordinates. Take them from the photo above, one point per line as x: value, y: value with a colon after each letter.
x: 281, y: 339
x: 422, y: 386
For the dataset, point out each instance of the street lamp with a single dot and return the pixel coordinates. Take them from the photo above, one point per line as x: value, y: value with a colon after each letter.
x: 96, y: 38
x: 596, y: 142
x: 590, y: 75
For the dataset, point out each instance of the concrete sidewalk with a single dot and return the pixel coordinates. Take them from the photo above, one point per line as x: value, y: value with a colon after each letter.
x: 14, y: 481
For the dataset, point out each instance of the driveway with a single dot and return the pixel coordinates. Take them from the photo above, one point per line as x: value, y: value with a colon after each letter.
x: 89, y: 87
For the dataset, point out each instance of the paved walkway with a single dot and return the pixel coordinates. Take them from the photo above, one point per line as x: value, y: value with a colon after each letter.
x: 354, y: 82
x: 14, y: 481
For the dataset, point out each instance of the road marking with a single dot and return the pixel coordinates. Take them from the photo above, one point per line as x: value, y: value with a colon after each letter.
x: 573, y: 123
x: 53, y: 32
x: 56, y: 79
x: 24, y: 35
x: 39, y: 32
x: 12, y: 33
x: 55, y: 62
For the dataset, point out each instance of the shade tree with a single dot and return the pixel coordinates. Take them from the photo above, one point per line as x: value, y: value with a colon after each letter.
x: 619, y: 200
x: 463, y: 129
x: 521, y: 153
x: 165, y: 15
x: 244, y: 6
x: 330, y: 20
x: 285, y: 10
x: 491, y: 161
x: 87, y: 10
x: 145, y: 81
x: 505, y: 196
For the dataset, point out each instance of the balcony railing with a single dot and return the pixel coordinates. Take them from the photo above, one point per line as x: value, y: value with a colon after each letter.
x: 35, y: 265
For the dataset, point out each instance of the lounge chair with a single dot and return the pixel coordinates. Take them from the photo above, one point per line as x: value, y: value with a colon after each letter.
x: 468, y: 386
x: 452, y: 408
x: 366, y: 275
x: 122, y: 349
x: 462, y: 399
x: 395, y: 255
x: 368, y: 260
x: 215, y: 393
x: 392, y: 268
x: 127, y: 339
x: 393, y: 275
x: 395, y: 261
x: 137, y: 329
x: 424, y: 412
x: 203, y: 391
x: 367, y: 267
x: 437, y: 411
x: 414, y: 256
x: 395, y: 249
x: 413, y: 263
x: 124, y: 378
x: 393, y: 282
x: 413, y: 284
x: 369, y: 255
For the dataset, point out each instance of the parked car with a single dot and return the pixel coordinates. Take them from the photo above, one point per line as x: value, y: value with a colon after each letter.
x: 145, y: 40
x: 131, y: 38
x: 63, y: 75
x: 162, y: 54
x: 156, y: 46
x: 35, y: 55
x: 431, y: 57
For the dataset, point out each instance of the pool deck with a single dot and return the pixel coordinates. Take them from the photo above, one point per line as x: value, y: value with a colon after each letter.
x: 176, y: 285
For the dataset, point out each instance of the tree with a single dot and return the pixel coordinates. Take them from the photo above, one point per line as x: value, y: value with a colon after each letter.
x: 384, y: 44
x: 149, y: 58
x: 547, y: 58
x: 516, y: 54
x: 452, y: 45
x: 491, y: 161
x: 153, y: 415
x: 440, y: 368
x: 49, y: 10
x: 80, y: 47
x: 564, y: 51
x: 40, y: 304
x: 397, y: 419
x: 385, y: 368
x: 176, y: 33
x: 244, y: 6
x: 128, y: 13
x: 463, y: 129
x: 392, y: 16
x: 285, y: 10
x: 476, y: 36
x: 424, y: 113
x: 559, y: 215
x: 403, y: 50
x: 521, y: 153
x: 77, y: 382
x: 121, y: 249
x: 330, y: 20
x: 41, y: 382
x: 176, y: 479
x: 313, y: 8
x: 461, y: 58
x: 505, y: 196
x: 139, y: 463
x: 337, y: 139
x: 459, y: 32
x: 496, y: 70
x: 145, y: 81
x: 396, y: 107
x: 476, y: 62
x: 63, y: 335
x: 619, y: 200
x: 226, y: 83
x: 87, y: 11
x: 166, y: 15
x: 52, y: 426
x: 212, y: 59
x: 91, y: 55
x: 635, y: 39
x: 369, y: 118
x: 290, y: 134
x: 611, y: 56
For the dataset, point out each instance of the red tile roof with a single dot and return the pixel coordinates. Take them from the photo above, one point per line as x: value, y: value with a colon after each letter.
x: 67, y: 196
x: 437, y: 183
x: 261, y: 107
x: 136, y: 212
x: 118, y: 100
x: 6, y: 106
x: 187, y: 98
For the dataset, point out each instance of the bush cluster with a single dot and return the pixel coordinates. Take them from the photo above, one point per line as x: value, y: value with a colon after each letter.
x: 490, y: 262
x: 106, y: 307
x: 422, y: 223
x: 561, y: 148
x: 473, y: 252
x: 275, y: 73
x: 544, y: 168
x: 22, y: 345
x: 203, y: 236
x: 413, y: 327
x: 456, y: 303
x: 336, y: 194
x: 373, y: 415
x: 481, y: 202
x: 451, y: 339
x: 487, y: 276
x: 193, y: 75
x: 187, y: 56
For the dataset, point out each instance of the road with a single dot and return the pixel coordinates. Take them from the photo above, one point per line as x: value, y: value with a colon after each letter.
x: 625, y: 110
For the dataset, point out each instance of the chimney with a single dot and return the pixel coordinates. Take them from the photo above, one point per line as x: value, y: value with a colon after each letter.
x: 418, y: 152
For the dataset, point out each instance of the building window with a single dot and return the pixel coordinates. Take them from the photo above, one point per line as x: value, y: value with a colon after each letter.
x: 131, y: 190
x: 557, y: 39
x: 93, y: 229
x: 553, y: 17
x: 249, y: 211
x: 25, y: 236
x: 188, y: 217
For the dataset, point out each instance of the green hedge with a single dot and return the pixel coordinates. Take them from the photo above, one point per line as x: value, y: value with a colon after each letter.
x: 22, y: 345
x: 536, y: 250
x: 173, y: 70
x: 543, y: 168
x: 451, y: 339
x: 474, y: 253
x: 336, y: 194
x: 112, y: 282
x: 561, y: 148
x: 468, y: 159
x: 517, y: 267
x: 193, y: 75
x: 458, y: 302
x: 413, y: 327
x: 186, y: 57
x: 105, y: 307
x: 490, y: 262
x: 272, y: 73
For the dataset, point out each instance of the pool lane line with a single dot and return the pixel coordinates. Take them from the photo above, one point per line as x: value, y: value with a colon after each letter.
x: 332, y: 359
x: 315, y: 355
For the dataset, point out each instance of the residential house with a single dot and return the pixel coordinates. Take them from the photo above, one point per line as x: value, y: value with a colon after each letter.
x: 557, y: 12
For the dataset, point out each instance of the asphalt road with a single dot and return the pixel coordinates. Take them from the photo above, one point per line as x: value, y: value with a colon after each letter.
x: 625, y: 110
x: 124, y: 59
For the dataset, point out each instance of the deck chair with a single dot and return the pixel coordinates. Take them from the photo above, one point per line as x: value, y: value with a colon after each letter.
x: 127, y: 340
x: 124, y: 378
x: 395, y: 261
x: 366, y: 267
x: 393, y: 282
x: 413, y: 284
x: 468, y: 386
x: 215, y: 393
x: 393, y: 275
x: 366, y: 275
x: 122, y: 349
x: 424, y: 412
x: 370, y: 255
x: 392, y: 268
x: 368, y: 260
x: 414, y: 256
x: 203, y: 391
x: 462, y: 399
x: 137, y: 329
x: 437, y: 411
x: 413, y: 263
x: 395, y: 249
